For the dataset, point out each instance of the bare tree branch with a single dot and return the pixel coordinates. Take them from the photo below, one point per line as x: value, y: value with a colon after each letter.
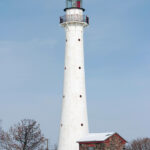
x: 26, y: 135
x: 139, y: 144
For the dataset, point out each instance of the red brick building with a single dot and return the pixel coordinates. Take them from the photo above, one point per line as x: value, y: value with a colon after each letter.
x: 102, y: 141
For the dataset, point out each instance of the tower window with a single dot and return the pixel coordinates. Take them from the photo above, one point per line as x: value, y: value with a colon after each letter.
x: 82, y: 124
x: 65, y: 68
x: 61, y: 125
x: 79, y: 40
x: 79, y: 67
x: 80, y: 96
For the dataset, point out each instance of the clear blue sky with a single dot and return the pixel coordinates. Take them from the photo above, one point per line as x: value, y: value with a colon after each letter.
x: 117, y: 63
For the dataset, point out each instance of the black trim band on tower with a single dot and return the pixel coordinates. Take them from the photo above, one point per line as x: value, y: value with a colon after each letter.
x: 74, y: 8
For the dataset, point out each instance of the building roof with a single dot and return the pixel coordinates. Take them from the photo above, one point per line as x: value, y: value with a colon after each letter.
x: 96, y: 137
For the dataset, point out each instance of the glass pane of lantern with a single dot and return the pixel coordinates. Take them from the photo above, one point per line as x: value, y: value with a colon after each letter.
x: 68, y: 3
x: 79, y: 3
x: 73, y: 3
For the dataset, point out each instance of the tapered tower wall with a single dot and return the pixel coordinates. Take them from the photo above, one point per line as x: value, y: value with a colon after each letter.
x: 74, y: 121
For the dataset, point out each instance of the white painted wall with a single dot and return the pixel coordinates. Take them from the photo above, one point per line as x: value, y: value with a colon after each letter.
x: 74, y: 121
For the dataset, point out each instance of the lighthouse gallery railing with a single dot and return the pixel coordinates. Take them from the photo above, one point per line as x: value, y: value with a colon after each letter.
x: 74, y: 18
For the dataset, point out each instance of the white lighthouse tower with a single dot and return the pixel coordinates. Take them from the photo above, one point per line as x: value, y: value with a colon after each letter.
x: 74, y: 120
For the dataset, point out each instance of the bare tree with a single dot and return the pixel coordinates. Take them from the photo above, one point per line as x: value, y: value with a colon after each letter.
x: 139, y: 144
x: 26, y: 135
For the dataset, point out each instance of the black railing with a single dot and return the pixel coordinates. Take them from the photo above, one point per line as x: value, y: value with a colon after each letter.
x: 74, y: 18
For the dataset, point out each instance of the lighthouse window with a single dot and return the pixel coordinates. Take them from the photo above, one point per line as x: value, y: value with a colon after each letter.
x: 79, y: 40
x: 82, y: 124
x: 61, y: 125
x: 79, y: 67
x: 80, y: 96
x: 65, y: 68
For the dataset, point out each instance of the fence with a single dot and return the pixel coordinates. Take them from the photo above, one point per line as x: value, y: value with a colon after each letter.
x: 74, y: 18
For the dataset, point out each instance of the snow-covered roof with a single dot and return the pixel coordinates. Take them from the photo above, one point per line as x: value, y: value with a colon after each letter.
x: 96, y: 137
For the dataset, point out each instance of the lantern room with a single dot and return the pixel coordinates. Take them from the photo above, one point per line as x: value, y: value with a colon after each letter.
x: 73, y: 4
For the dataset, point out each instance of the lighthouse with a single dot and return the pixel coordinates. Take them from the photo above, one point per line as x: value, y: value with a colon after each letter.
x: 74, y: 120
